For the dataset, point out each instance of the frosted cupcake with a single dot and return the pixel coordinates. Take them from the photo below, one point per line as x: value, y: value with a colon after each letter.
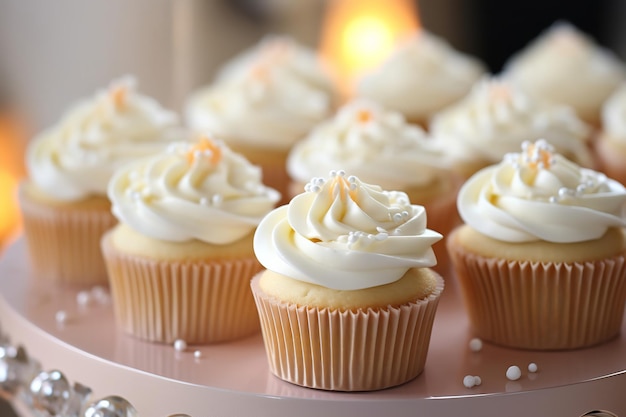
x: 564, y: 65
x: 263, y: 102
x: 289, y: 56
x: 181, y: 259
x: 347, y: 301
x: 540, y: 259
x: 610, y: 144
x: 64, y: 202
x: 497, y: 117
x: 379, y: 147
x: 422, y: 76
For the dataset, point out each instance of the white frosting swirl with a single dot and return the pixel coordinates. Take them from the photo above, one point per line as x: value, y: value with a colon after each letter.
x: 497, y: 117
x: 198, y: 190
x: 372, y: 143
x: 269, y: 97
x: 423, y: 75
x: 288, y: 56
x: 614, y: 115
x: 564, y: 65
x: 344, y: 234
x: 537, y: 195
x: 77, y: 157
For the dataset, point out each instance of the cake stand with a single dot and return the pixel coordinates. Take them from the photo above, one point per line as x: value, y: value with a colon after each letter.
x: 232, y: 379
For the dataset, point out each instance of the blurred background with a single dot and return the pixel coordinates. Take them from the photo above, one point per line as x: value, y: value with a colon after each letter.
x: 53, y: 53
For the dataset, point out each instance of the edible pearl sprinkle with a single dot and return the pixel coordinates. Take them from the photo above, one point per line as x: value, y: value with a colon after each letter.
x: 60, y: 316
x: 532, y: 367
x: 469, y: 381
x: 197, y: 354
x: 513, y: 373
x: 180, y: 345
x: 83, y: 298
x: 477, y: 380
x: 476, y: 345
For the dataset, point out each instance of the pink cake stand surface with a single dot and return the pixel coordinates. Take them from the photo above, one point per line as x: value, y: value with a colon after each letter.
x: 232, y: 379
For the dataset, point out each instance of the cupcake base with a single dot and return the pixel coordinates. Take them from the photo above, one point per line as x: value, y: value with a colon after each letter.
x: 541, y: 305
x: 200, y: 301
x: 346, y: 350
x: 64, y: 238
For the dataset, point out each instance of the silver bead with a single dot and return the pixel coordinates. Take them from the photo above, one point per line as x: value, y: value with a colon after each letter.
x: 112, y: 406
x: 16, y: 369
x: 50, y: 393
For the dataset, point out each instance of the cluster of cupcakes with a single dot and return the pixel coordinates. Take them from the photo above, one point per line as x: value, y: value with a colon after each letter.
x: 330, y: 226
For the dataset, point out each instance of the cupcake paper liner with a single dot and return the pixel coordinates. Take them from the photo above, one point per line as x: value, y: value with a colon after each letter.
x: 200, y: 302
x: 362, y: 350
x: 64, y: 244
x: 542, y: 306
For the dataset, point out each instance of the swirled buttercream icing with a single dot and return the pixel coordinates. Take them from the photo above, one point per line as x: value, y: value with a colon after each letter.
x: 614, y: 115
x: 345, y: 234
x: 564, y: 65
x: 538, y: 195
x: 269, y: 98
x: 374, y: 144
x: 76, y: 158
x: 423, y: 75
x: 288, y: 56
x: 497, y: 117
x: 194, y: 190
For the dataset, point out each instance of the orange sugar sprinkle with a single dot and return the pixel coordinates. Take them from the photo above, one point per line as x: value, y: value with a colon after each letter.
x: 364, y: 116
x: 260, y: 72
x: 205, y: 144
x: 543, y: 156
x: 118, y: 95
x: 500, y: 92
x: 341, y: 184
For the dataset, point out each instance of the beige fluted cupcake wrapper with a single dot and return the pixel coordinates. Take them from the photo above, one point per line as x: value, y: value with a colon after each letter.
x: 200, y: 302
x: 64, y: 245
x: 543, y: 306
x: 346, y: 350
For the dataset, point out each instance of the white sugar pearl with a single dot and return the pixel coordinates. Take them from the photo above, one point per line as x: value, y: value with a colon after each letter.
x: 476, y: 345
x: 197, y: 354
x: 513, y: 373
x: 60, y: 316
x: 180, y: 345
x: 469, y: 381
x: 83, y: 298
x: 532, y: 367
x: 477, y: 380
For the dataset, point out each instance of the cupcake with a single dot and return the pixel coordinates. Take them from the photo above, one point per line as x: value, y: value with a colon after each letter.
x: 610, y: 144
x: 496, y: 117
x: 181, y: 259
x: 422, y: 76
x: 263, y: 102
x: 379, y: 147
x: 63, y: 202
x: 540, y: 258
x: 347, y: 299
x: 564, y: 65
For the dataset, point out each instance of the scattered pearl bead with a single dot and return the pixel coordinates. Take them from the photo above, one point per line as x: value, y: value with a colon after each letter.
x: 513, y: 373
x: 83, y: 298
x: 469, y: 381
x: 477, y: 380
x: 180, y: 345
x: 476, y: 345
x: 532, y: 367
x: 60, y: 316
x: 197, y: 354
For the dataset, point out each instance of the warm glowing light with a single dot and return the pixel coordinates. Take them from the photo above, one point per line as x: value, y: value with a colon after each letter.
x: 12, y: 170
x: 366, y: 40
x: 357, y: 35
